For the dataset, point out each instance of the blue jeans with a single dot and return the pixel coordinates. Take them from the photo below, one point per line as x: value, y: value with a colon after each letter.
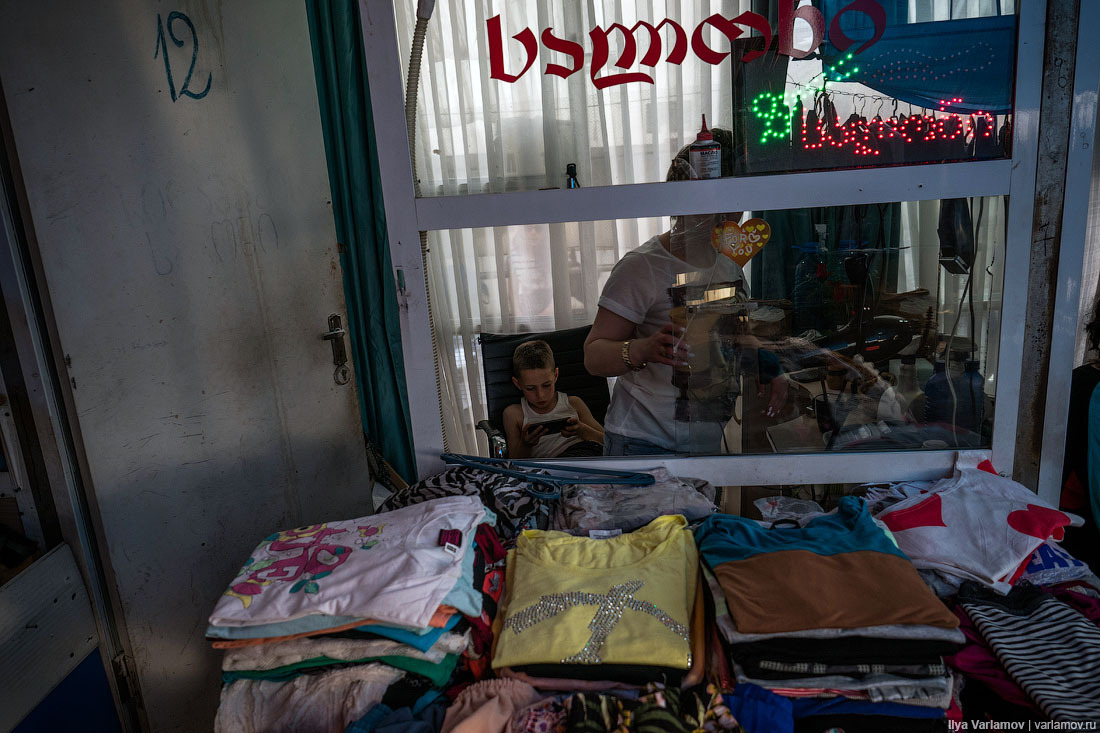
x: 618, y: 445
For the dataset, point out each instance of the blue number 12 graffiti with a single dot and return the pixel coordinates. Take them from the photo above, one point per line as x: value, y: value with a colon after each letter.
x: 162, y: 49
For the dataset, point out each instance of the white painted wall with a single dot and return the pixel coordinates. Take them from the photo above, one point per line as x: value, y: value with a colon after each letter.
x: 191, y: 259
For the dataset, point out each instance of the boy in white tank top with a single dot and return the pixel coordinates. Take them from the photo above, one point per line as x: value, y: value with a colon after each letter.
x: 573, y: 431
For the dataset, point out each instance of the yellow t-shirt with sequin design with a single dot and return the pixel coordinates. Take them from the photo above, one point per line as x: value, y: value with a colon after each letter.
x: 624, y: 600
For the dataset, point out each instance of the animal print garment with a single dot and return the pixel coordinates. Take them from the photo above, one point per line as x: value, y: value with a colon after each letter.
x: 508, y: 497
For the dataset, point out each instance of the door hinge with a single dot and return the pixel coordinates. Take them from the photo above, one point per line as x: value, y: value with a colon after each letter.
x: 123, y: 678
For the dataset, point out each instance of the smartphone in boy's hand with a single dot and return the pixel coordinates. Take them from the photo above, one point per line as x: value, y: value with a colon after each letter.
x: 553, y: 426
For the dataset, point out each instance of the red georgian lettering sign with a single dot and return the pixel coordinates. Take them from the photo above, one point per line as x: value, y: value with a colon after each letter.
x: 652, y: 38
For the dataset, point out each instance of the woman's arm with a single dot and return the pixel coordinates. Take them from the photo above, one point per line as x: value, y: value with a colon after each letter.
x: 603, y: 349
x: 587, y: 426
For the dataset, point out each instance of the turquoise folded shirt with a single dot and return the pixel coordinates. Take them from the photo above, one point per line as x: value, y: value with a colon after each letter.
x: 725, y: 538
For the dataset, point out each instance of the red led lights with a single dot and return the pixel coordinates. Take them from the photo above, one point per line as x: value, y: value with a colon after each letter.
x: 856, y: 133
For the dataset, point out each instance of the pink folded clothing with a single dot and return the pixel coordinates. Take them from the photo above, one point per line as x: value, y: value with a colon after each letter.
x: 488, y: 706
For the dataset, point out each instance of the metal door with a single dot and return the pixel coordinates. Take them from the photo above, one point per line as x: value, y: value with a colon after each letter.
x: 175, y: 168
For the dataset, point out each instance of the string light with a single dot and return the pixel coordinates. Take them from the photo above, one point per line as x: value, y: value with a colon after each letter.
x: 835, y: 73
x: 916, y: 65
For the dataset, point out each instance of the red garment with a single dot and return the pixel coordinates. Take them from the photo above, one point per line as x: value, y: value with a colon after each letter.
x: 1075, y: 497
x: 489, y: 556
x: 722, y: 671
x: 1088, y: 606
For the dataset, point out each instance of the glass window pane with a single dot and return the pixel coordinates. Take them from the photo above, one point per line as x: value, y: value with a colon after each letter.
x: 870, y: 327
x: 512, y: 92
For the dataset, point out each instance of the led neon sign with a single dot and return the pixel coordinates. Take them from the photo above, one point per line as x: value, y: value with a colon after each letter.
x: 863, y: 136
x: 776, y: 115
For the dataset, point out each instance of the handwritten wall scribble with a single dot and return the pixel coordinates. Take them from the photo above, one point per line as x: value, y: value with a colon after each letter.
x: 246, y: 235
x: 162, y: 50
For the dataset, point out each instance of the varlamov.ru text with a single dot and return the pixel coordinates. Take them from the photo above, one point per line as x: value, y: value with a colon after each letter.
x: 1024, y: 725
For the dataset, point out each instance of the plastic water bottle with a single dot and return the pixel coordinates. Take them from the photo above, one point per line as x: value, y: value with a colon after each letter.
x: 970, y: 388
x: 966, y: 409
x: 809, y: 274
x: 937, y: 395
x: 907, y: 388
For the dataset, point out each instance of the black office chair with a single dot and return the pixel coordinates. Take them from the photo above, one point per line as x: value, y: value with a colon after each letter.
x: 496, y: 361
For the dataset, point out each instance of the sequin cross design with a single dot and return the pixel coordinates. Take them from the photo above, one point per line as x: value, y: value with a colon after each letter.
x: 611, y: 606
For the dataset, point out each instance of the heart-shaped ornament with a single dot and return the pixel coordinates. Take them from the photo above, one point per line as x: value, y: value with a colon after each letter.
x: 741, y: 242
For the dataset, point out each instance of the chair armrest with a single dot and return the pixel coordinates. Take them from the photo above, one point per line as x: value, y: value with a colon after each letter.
x: 498, y: 444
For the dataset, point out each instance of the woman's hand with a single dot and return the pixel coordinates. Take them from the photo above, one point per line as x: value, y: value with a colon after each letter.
x: 667, y: 346
x: 778, y: 398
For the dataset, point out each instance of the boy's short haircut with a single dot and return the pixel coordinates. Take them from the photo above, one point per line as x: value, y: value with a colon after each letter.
x: 532, y: 355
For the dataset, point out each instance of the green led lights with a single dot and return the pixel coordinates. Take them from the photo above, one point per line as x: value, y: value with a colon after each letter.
x: 835, y: 73
x: 770, y: 108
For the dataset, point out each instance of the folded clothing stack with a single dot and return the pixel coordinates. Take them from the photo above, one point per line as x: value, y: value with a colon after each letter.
x: 973, y: 525
x: 1036, y: 649
x: 328, y: 619
x: 578, y: 608
x: 830, y: 610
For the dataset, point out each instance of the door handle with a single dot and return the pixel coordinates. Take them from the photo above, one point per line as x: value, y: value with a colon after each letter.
x: 335, y: 336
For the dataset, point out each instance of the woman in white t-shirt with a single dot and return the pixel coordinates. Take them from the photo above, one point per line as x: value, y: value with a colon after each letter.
x: 634, y: 339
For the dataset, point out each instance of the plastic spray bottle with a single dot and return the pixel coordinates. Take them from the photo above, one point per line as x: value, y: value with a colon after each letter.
x: 571, y: 176
x: 705, y: 154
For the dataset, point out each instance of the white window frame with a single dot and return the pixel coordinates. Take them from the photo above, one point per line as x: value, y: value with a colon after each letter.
x: 407, y: 215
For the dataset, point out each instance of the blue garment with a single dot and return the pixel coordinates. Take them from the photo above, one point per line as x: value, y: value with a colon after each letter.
x: 805, y: 707
x: 758, y: 709
x: 463, y: 595
x: 1093, y: 482
x: 427, y: 699
x: 726, y: 538
x: 420, y: 641
x: 381, y: 719
x: 369, y: 722
x: 316, y: 623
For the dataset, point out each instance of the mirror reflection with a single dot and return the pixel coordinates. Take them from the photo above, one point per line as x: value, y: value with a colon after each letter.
x: 827, y: 329
x: 869, y: 327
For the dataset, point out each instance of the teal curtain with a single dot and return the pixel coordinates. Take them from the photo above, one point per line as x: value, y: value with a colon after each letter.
x: 348, y: 124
